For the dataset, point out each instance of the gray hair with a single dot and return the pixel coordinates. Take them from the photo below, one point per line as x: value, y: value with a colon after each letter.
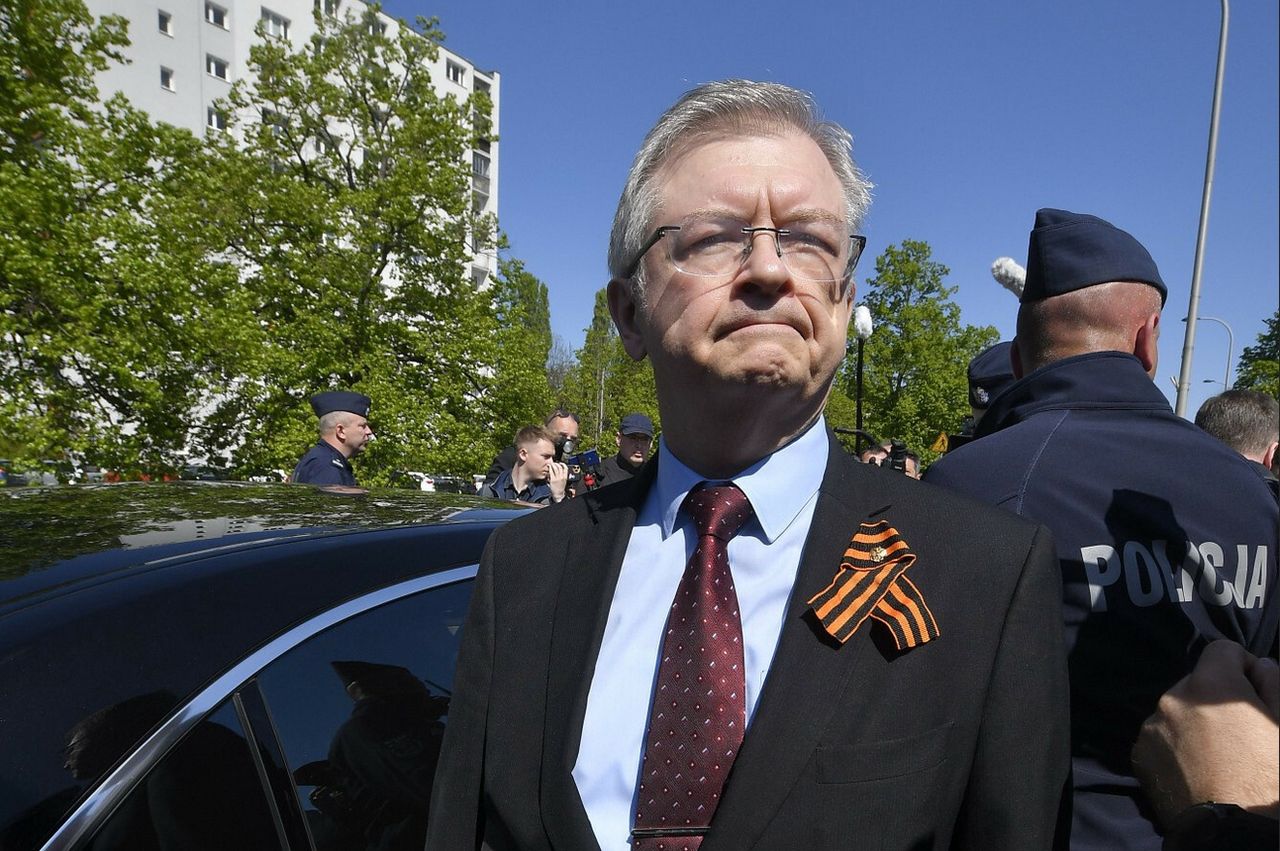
x: 329, y: 422
x: 1246, y: 420
x: 739, y: 106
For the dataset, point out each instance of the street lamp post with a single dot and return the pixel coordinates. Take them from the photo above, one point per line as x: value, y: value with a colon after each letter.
x: 1188, y: 341
x: 1231, y: 346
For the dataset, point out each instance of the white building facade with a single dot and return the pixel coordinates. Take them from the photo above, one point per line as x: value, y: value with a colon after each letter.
x: 185, y: 54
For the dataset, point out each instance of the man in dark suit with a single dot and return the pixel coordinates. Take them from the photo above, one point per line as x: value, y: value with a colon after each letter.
x: 892, y: 653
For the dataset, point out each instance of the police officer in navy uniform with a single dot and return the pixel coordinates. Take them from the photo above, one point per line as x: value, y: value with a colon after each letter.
x: 344, y: 433
x: 1166, y: 539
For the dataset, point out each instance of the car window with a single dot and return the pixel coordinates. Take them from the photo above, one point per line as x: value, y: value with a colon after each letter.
x: 204, y: 795
x: 360, y: 710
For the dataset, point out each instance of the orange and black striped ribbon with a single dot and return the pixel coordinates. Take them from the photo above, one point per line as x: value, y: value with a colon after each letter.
x: 872, y: 583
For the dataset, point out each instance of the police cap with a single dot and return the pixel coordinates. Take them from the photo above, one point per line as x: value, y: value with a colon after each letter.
x: 989, y: 373
x: 340, y: 400
x: 1071, y: 251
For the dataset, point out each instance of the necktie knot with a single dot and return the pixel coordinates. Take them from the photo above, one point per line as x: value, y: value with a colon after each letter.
x: 718, y: 511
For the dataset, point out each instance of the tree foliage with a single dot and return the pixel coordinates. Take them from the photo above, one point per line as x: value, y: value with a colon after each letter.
x: 103, y: 321
x: 163, y: 296
x: 914, y: 363
x: 1259, y: 366
x: 344, y: 197
x: 521, y: 388
x: 605, y: 384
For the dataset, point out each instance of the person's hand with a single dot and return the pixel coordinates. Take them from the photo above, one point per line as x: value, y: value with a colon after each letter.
x: 1214, y: 736
x: 557, y: 479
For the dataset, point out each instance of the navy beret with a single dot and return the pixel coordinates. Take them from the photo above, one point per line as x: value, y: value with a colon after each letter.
x: 636, y: 424
x: 1071, y: 251
x: 989, y: 373
x: 340, y: 400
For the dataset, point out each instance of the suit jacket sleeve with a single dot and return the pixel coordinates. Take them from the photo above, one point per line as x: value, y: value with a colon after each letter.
x: 456, y: 812
x: 1019, y: 797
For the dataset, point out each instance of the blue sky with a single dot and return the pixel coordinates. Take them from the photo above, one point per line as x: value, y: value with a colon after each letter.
x: 967, y: 116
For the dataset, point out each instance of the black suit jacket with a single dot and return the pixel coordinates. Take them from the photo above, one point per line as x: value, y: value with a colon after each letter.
x: 961, y: 742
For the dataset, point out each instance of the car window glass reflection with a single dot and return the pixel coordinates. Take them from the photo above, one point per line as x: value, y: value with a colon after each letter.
x: 204, y: 795
x: 360, y: 710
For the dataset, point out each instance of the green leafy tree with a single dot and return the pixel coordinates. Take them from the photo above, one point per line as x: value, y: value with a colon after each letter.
x: 108, y: 341
x: 1259, y: 366
x: 606, y: 384
x: 914, y: 363
x: 347, y: 206
x: 521, y: 390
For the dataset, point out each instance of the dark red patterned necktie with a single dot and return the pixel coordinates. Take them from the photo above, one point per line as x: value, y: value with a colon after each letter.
x: 699, y: 707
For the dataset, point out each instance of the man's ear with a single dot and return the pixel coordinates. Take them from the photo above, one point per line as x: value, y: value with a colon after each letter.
x: 1146, y: 344
x: 1269, y: 457
x: 1015, y: 359
x: 626, y: 318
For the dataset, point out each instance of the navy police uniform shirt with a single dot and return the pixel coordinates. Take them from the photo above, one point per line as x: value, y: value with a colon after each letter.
x: 1167, y: 540
x: 324, y: 465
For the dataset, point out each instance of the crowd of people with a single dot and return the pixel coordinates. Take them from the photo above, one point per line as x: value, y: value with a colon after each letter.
x: 739, y: 636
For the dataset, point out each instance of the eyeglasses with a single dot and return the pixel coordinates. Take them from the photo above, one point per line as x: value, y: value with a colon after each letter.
x: 715, y: 247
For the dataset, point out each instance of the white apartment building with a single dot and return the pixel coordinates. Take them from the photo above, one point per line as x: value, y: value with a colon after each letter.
x: 185, y: 54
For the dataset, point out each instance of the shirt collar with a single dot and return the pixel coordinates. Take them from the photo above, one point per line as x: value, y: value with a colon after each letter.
x: 778, y: 485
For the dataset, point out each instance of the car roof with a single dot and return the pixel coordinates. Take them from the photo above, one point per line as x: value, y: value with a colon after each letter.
x: 54, y: 536
x: 113, y: 591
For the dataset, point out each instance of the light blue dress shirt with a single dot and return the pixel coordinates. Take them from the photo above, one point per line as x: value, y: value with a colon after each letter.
x: 783, y: 490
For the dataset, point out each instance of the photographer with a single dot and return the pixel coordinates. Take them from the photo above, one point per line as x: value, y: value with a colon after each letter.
x: 894, y: 455
x: 561, y: 424
x: 537, y: 478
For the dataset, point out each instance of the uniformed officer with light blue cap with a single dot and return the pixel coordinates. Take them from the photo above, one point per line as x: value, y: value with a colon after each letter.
x: 344, y: 433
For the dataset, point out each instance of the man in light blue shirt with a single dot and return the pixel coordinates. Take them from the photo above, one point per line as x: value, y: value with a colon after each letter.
x: 892, y: 652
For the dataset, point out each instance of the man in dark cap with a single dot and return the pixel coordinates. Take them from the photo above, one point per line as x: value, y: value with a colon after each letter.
x: 635, y: 439
x: 989, y: 373
x: 1165, y: 537
x: 344, y: 433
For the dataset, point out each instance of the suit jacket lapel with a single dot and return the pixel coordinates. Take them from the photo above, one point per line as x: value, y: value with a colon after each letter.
x: 808, y: 672
x: 592, y: 562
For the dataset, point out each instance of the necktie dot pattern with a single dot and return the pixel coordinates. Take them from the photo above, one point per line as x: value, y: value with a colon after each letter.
x: 698, y: 715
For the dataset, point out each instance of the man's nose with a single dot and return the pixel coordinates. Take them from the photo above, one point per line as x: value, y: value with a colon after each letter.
x: 765, y: 264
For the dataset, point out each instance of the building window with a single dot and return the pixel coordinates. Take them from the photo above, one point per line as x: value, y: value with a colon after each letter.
x: 166, y: 23
x: 215, y: 66
x: 479, y: 165
x: 377, y: 27
x: 273, y: 24
x: 166, y: 78
x: 216, y: 119
x: 215, y: 15
x: 329, y: 7
x: 455, y: 72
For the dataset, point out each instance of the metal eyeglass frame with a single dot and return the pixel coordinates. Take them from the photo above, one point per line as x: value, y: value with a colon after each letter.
x: 855, y: 254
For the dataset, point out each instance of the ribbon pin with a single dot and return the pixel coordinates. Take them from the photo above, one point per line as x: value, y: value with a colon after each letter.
x: 872, y: 582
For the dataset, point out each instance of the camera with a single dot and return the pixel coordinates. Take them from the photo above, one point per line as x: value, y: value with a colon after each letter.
x: 897, y: 459
x: 585, y: 468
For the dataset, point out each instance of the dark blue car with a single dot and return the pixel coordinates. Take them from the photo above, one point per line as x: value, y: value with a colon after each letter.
x: 204, y: 665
